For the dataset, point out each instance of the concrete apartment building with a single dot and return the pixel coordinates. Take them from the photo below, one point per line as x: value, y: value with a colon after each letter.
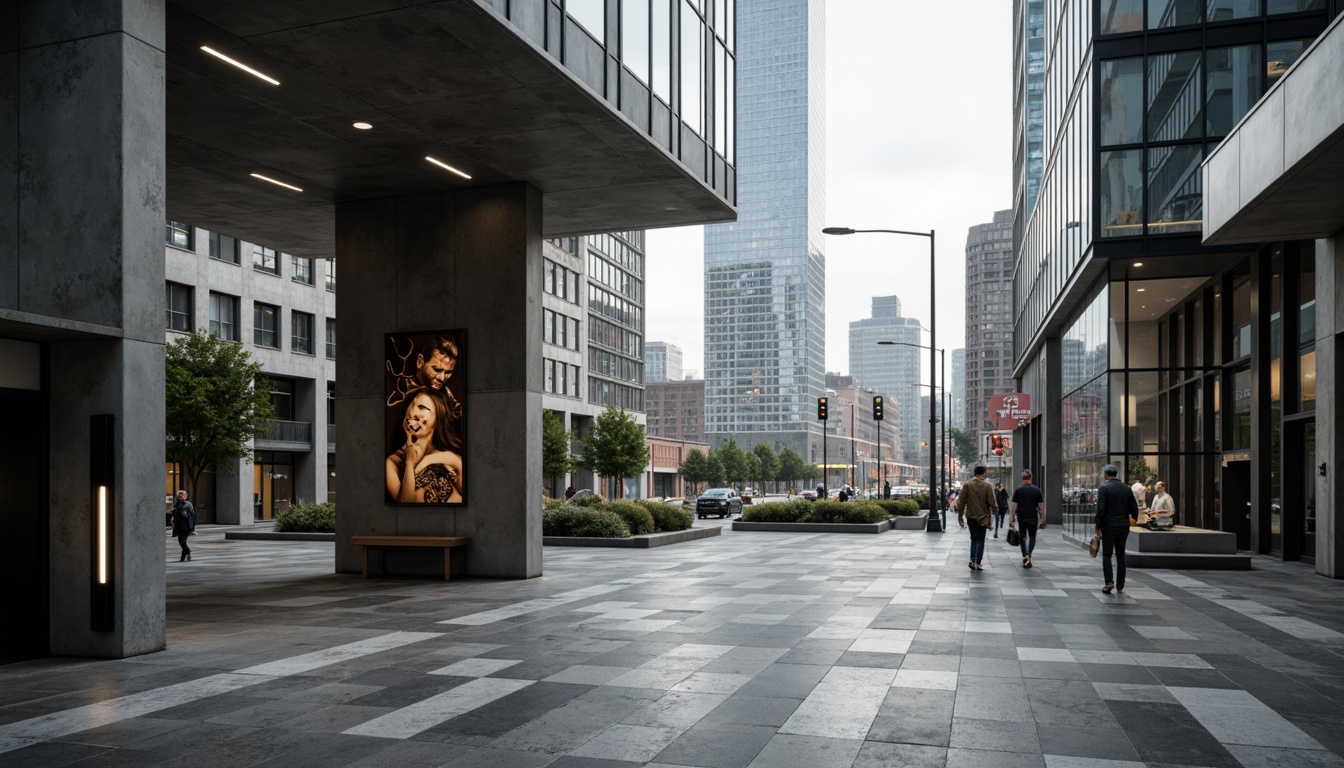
x: 282, y: 309
x: 469, y: 133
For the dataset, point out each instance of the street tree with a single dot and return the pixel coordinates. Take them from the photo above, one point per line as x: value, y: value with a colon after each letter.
x: 616, y: 447
x: 733, y: 459
x: 963, y: 447
x: 769, y: 463
x: 751, y: 465
x: 217, y: 401
x: 714, y: 470
x: 695, y: 468
x: 555, y: 457
x: 792, y: 468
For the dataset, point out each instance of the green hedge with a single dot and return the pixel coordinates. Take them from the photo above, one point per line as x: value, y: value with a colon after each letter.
x: 550, y: 503
x: 850, y: 512
x: 667, y: 517
x: 583, y: 521
x: 586, y: 501
x: 636, y: 518
x: 307, y: 518
x: 899, y: 507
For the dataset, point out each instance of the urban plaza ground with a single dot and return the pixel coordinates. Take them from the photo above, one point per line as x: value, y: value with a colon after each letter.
x: 747, y: 649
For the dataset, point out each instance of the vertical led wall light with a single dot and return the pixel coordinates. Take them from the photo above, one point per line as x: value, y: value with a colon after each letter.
x: 101, y: 595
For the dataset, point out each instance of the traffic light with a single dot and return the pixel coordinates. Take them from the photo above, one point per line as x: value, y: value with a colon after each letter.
x: 821, y: 408
x: 877, y: 407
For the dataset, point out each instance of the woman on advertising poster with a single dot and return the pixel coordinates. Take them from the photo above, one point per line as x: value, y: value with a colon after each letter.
x: 424, y: 419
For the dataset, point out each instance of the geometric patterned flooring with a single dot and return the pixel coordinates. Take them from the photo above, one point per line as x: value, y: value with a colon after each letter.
x: 747, y: 649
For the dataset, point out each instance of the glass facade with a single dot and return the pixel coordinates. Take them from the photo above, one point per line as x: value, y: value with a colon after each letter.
x: 892, y: 370
x: 765, y: 273
x: 667, y: 65
x: 615, y: 360
x: 1170, y: 360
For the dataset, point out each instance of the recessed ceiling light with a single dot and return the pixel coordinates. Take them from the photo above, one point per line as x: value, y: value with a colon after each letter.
x: 1140, y: 290
x: 239, y: 65
x: 363, y: 126
x: 277, y: 183
x: 446, y: 167
x: 1138, y: 263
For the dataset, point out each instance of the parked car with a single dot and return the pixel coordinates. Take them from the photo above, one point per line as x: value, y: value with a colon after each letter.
x: 807, y: 493
x: 723, y: 502
x: 749, y: 495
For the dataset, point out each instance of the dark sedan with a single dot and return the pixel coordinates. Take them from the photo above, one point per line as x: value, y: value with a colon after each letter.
x: 723, y: 502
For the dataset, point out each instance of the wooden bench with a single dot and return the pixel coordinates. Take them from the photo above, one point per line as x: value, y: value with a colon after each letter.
x: 446, y: 543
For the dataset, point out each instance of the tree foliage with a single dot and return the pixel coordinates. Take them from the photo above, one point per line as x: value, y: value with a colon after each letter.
x: 555, y: 456
x: 714, y: 469
x: 733, y: 460
x: 615, y: 447
x: 695, y: 468
x: 792, y: 468
x: 963, y: 447
x: 768, y: 463
x: 216, y: 402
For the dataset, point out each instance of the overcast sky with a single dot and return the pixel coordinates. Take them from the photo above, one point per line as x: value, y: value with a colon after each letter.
x: 918, y: 137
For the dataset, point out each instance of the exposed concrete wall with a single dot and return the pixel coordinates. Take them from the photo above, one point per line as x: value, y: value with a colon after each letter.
x: 468, y: 259
x: 1329, y: 434
x: 83, y: 138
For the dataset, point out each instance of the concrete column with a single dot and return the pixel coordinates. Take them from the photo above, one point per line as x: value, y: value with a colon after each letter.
x: 468, y: 259
x: 233, y: 495
x: 83, y: 107
x: 1329, y: 434
x: 307, y: 465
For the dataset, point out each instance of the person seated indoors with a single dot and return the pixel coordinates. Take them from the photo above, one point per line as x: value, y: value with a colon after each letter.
x: 1162, y: 512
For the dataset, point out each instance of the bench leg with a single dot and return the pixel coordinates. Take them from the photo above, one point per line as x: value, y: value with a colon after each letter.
x: 366, y: 562
x: 447, y: 564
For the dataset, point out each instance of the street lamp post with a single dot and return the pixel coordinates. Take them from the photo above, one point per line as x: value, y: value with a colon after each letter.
x: 933, y: 342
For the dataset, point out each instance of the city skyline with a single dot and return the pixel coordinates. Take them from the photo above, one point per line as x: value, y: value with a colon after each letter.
x: 871, y: 142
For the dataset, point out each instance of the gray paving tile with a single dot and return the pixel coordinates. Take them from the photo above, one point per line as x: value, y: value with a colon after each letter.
x: 719, y: 746
x: 787, y: 751
x: 882, y: 755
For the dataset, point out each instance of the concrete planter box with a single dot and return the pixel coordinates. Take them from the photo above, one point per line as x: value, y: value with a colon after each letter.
x: 1182, y: 548
x: 634, y: 542
x: 882, y: 527
x: 277, y: 536
x: 910, y: 522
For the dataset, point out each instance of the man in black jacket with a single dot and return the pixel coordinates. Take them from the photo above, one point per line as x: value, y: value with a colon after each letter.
x: 1115, y: 507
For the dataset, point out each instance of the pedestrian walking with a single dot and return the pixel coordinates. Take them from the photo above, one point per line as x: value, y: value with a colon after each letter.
x: 977, y: 502
x: 1116, y: 505
x: 1028, y: 505
x: 1000, y: 506
x: 184, y: 522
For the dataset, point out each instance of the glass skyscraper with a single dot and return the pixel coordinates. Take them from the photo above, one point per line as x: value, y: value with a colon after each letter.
x: 892, y: 370
x: 765, y: 273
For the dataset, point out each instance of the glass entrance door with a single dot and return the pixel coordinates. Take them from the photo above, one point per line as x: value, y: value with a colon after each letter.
x: 272, y: 483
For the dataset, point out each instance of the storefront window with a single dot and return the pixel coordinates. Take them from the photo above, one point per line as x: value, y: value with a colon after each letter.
x: 1241, y: 316
x: 1240, y: 439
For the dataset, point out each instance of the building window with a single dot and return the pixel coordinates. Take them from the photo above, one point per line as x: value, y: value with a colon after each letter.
x: 692, y: 66
x: 282, y: 398
x: 330, y: 268
x: 179, y: 307
x: 331, y: 339
x: 180, y: 235
x: 224, y: 316
x: 265, y: 325
x: 265, y: 259
x: 223, y: 248
x: 1280, y: 56
x: 1121, y: 16
x: 635, y: 37
x: 301, y: 333
x: 303, y: 270
x: 591, y: 14
x: 1121, y: 101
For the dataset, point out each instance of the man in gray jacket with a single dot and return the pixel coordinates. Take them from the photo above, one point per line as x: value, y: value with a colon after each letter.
x: 1115, y: 507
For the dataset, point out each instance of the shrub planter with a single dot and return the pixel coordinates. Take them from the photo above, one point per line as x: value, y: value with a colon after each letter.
x: 278, y: 536
x: 881, y: 527
x: 910, y: 522
x: 644, y: 541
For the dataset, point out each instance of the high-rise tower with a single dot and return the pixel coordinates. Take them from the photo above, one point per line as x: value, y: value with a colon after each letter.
x: 765, y: 273
x: 989, y: 319
x: 892, y: 370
